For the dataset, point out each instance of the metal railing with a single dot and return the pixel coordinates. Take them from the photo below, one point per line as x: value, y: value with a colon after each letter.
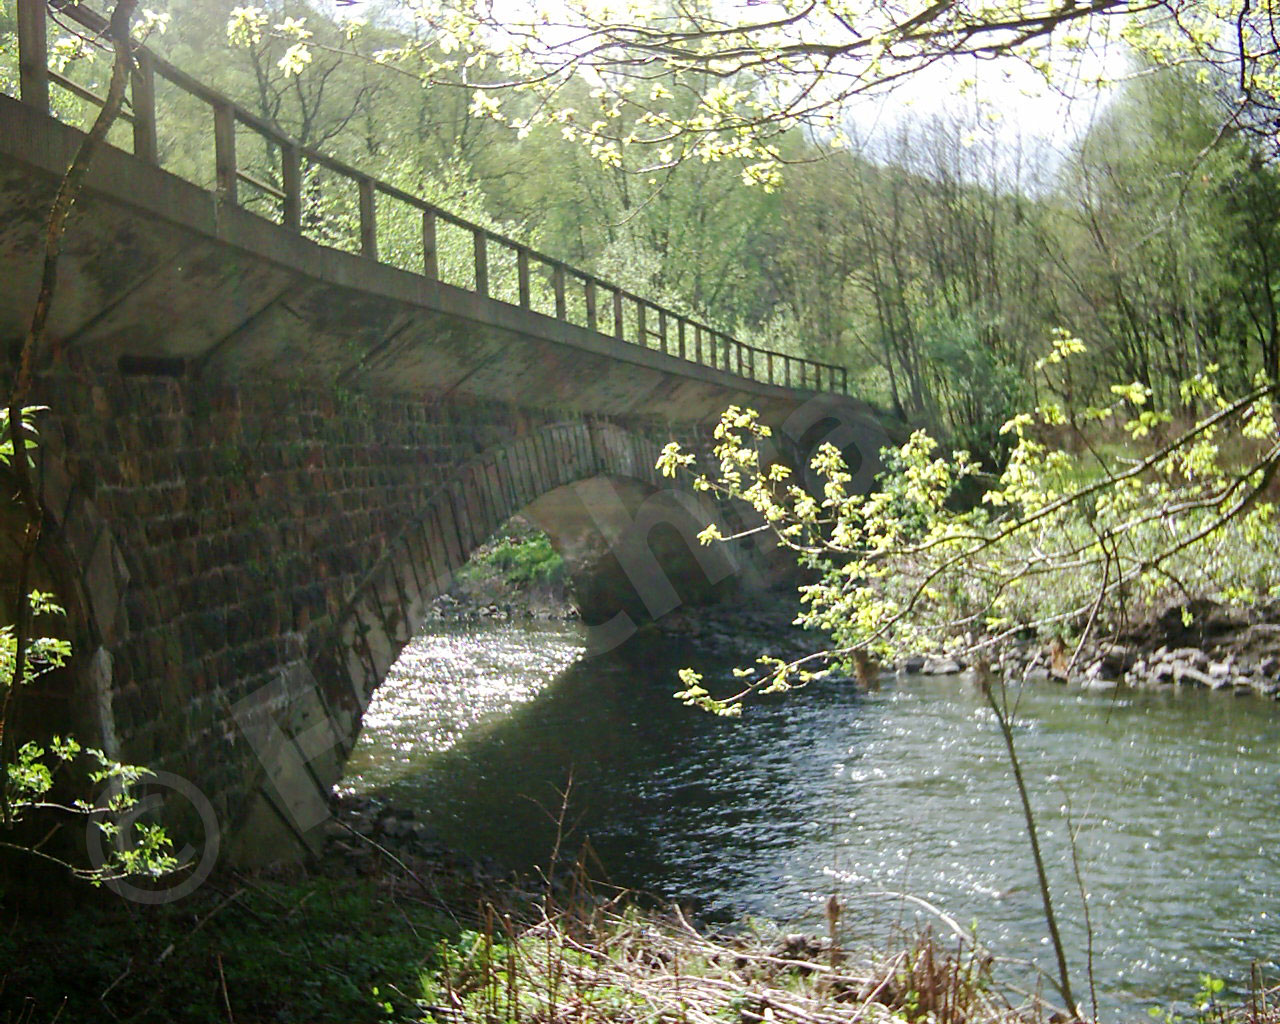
x: 600, y: 306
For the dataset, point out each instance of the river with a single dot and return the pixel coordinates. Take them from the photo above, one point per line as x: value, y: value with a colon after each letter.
x: 481, y: 728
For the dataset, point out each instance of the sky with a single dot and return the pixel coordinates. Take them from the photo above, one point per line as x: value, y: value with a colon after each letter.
x: 1012, y: 101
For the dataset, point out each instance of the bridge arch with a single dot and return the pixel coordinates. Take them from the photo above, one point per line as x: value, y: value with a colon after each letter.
x: 629, y: 540
x: 243, y: 563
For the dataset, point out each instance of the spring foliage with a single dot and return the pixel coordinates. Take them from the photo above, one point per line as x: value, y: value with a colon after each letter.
x: 1059, y: 544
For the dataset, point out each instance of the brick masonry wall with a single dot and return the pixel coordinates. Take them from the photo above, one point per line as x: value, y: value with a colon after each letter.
x: 244, y: 563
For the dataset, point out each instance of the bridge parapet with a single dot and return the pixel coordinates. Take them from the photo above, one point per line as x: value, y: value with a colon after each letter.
x: 499, y: 268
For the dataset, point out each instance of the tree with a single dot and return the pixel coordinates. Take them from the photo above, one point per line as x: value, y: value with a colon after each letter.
x: 755, y: 72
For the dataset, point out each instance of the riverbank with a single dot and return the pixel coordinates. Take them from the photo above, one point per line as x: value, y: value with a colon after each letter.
x: 1201, y: 645
x: 387, y: 927
x: 515, y: 576
x: 392, y: 907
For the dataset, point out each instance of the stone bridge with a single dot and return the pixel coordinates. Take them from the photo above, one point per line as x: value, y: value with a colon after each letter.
x: 263, y: 457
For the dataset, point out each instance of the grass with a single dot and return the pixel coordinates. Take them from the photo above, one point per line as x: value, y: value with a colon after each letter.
x: 386, y: 948
x: 526, y: 562
x: 630, y: 967
x: 245, y: 950
x: 519, y: 561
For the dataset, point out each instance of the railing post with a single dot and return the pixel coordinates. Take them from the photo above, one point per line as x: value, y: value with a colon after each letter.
x: 662, y: 329
x: 430, y: 254
x: 291, y: 186
x: 142, y: 95
x: 769, y: 365
x: 619, y: 331
x: 640, y: 324
x: 522, y: 277
x: 680, y: 337
x: 557, y: 285
x: 589, y: 296
x: 33, y: 54
x: 844, y: 379
x: 786, y: 366
x: 697, y: 343
x: 481, y: 251
x: 224, y: 146
x: 368, y: 219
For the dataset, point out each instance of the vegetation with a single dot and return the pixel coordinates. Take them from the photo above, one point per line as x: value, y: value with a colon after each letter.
x: 519, y: 562
x: 631, y: 965
x: 1059, y: 545
x: 523, y: 562
x: 934, y: 258
x: 342, y: 949
x: 49, y: 785
x: 382, y: 948
x: 698, y: 81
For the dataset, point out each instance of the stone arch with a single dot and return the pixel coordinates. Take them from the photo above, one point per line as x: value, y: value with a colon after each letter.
x: 591, y: 484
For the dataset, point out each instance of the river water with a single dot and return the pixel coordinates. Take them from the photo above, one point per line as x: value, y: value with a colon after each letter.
x: 1175, y: 795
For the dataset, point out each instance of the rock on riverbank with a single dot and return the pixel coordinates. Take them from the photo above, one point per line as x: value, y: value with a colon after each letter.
x: 1201, y: 644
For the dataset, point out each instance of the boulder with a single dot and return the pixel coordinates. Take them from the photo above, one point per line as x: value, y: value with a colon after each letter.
x: 1188, y: 675
x: 1192, y: 656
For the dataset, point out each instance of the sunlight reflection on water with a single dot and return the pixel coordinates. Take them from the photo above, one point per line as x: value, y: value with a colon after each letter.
x: 907, y: 789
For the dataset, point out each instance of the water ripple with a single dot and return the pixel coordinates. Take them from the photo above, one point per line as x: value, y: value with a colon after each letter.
x: 1174, y: 796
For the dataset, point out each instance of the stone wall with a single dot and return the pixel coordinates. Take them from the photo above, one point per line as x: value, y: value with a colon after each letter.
x: 242, y: 564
